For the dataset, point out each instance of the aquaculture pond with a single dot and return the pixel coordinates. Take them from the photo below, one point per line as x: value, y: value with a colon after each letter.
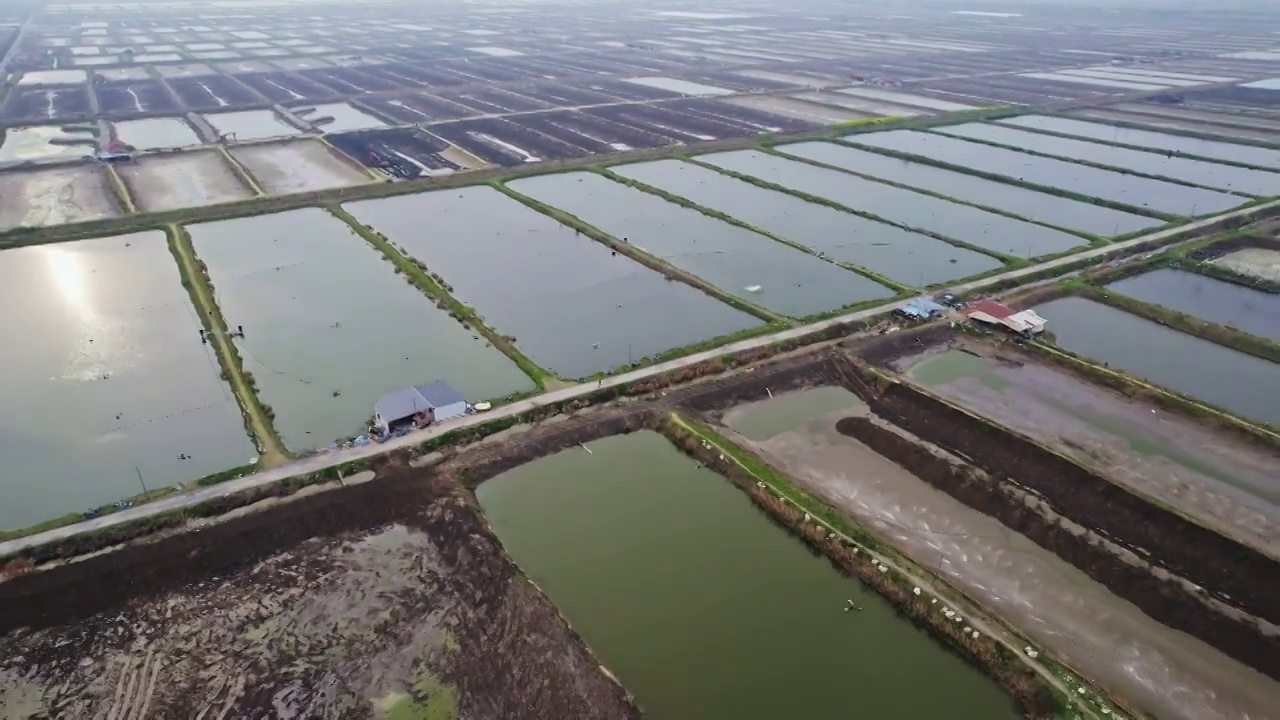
x: 977, y: 227
x: 329, y: 327
x: 574, y: 306
x: 1043, y: 207
x: 702, y: 607
x: 106, y: 385
x: 1231, y: 380
x: 1178, y: 144
x: 1162, y: 164
x: 1131, y: 190
x: 898, y: 254
x: 1206, y: 298
x: 156, y: 133
x: 740, y: 262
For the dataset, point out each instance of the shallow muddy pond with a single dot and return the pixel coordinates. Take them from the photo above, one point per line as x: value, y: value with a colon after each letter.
x: 1217, y: 301
x: 1211, y: 149
x: 250, y: 124
x: 702, y: 607
x: 156, y: 133
x: 574, y: 306
x: 1262, y: 263
x: 338, y: 117
x: 1131, y: 190
x: 1227, y: 484
x: 907, y: 257
x: 1043, y: 207
x: 36, y: 143
x: 105, y: 379
x: 980, y: 228
x: 1164, y: 672
x: 297, y: 166
x: 1231, y: 380
x: 330, y: 327
x: 738, y: 261
x: 1199, y: 172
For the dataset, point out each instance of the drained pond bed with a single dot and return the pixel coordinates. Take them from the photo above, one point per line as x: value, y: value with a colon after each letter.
x: 383, y: 600
x: 948, y: 520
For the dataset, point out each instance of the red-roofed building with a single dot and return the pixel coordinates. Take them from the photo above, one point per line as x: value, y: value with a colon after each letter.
x: 990, y: 312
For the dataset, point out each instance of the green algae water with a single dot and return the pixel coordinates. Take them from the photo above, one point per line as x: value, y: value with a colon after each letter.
x: 705, y: 609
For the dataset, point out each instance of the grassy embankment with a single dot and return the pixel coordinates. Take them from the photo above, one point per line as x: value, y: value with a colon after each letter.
x: 119, y: 190
x: 1182, y: 322
x: 650, y: 261
x: 258, y: 415
x: 1096, y: 165
x: 18, y: 237
x: 1010, y: 180
x: 1266, y: 436
x: 1089, y: 238
x: 1009, y: 261
x: 437, y: 289
x: 897, y: 287
x: 1041, y: 681
x: 242, y: 172
x: 1165, y: 131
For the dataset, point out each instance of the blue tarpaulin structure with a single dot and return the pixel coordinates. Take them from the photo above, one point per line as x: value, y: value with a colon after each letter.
x: 921, y: 308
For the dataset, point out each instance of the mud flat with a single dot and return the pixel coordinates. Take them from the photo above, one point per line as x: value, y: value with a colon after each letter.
x: 702, y: 607
x: 1228, y: 379
x: 108, y: 382
x: 329, y: 327
x: 54, y: 196
x: 394, y: 602
x: 1220, y: 481
x: 1262, y: 263
x: 576, y: 307
x: 182, y: 180
x: 297, y: 167
x: 43, y: 142
x: 1151, y: 667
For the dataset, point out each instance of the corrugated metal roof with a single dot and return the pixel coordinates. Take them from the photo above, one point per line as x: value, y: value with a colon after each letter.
x: 992, y: 308
x: 439, y: 393
x: 418, y: 398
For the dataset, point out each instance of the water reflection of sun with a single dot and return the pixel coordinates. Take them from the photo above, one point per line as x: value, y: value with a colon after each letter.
x: 90, y: 347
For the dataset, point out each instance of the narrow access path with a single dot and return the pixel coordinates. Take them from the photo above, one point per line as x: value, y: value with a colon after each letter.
x: 320, y: 462
x: 927, y: 583
x: 273, y: 450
